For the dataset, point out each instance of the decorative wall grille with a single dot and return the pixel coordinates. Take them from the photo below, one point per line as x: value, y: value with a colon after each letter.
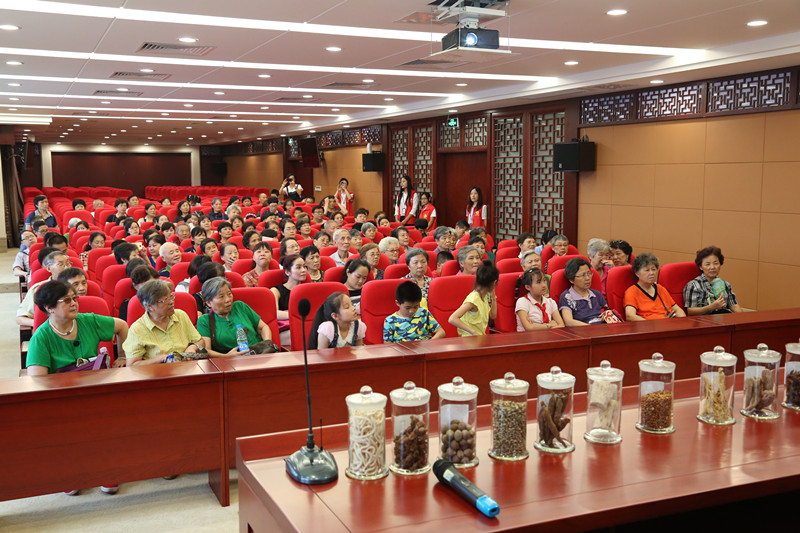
x: 423, y: 159
x: 508, y: 179
x: 610, y: 108
x: 671, y: 101
x: 476, y: 131
x: 547, y: 187
x: 400, y: 162
x: 749, y: 92
x: 449, y: 137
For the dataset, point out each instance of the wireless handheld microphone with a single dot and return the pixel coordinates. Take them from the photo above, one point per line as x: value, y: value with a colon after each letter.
x: 449, y: 476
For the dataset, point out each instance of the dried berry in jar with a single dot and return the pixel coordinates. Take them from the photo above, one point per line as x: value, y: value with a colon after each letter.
x: 458, y: 442
x: 411, y: 446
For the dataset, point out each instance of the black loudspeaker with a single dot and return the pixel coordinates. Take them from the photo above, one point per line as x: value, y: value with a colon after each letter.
x: 574, y: 156
x: 220, y: 168
x: 373, y: 162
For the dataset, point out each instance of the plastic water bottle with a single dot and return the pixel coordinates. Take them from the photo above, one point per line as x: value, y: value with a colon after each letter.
x: 241, y: 339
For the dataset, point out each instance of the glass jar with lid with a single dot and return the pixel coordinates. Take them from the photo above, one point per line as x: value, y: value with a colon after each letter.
x: 604, y: 404
x: 458, y: 422
x: 656, y: 382
x: 366, y: 417
x: 509, y: 418
x: 791, y: 377
x: 554, y: 411
x: 717, y: 377
x: 410, y: 417
x: 761, y: 383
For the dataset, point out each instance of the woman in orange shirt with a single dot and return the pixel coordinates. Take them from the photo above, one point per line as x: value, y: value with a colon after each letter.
x: 647, y: 300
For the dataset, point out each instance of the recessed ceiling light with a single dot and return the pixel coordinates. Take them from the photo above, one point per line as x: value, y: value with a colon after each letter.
x: 570, y: 63
x: 187, y: 144
x: 164, y: 114
x: 347, y: 125
x: 335, y: 109
x: 617, y: 12
x: 452, y: 110
x: 173, y: 131
x: 204, y: 136
x: 187, y: 39
x: 59, y: 142
x: 462, y: 84
x: 150, y: 138
x: 159, y: 135
x: 146, y: 70
x: 14, y: 84
x: 134, y: 126
x: 656, y: 82
x: 123, y: 131
x: 14, y: 63
x: 220, y: 132
x: 295, y: 118
x: 85, y: 119
x: 219, y: 93
x: 312, y: 131
x: 191, y: 138
x: 754, y: 23
x: 100, y: 143
x: 106, y: 137
x: 388, y: 99
x: 239, y: 128
x: 74, y: 125
x: 147, y: 144
x: 265, y: 75
x: 188, y: 127
x: 92, y: 111
x: 105, y: 102
x: 30, y: 130
x: 265, y: 123
x: 14, y: 99
x: 283, y: 135
x: 264, y: 107
x: 9, y: 27
x: 238, y: 141
x: 367, y: 81
x: 12, y: 109
x: 209, y: 122
x: 258, y: 138
x: 65, y: 133
x: 113, y: 134
x: 233, y: 116
x: 333, y: 49
x: 70, y: 129
x: 307, y: 96
x: 188, y: 105
x: 149, y: 120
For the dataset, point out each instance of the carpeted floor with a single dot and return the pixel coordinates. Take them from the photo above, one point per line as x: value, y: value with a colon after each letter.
x: 185, y: 504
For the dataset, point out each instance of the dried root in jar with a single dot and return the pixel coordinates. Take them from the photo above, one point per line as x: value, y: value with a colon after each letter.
x: 715, y: 403
x: 793, y: 388
x: 552, y: 421
x: 759, y: 393
x: 603, y: 398
x: 367, y: 442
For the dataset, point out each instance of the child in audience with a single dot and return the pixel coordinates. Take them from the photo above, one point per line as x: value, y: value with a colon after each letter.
x: 335, y: 324
x: 411, y: 322
x: 441, y: 259
x: 534, y: 309
x: 472, y: 318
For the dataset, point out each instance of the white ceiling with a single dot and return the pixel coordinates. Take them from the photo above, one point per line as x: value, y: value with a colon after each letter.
x: 70, y: 50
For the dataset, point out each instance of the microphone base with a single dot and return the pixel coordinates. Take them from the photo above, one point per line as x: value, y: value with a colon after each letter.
x: 312, y: 466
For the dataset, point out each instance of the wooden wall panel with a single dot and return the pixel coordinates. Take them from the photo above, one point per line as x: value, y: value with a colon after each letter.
x: 132, y: 171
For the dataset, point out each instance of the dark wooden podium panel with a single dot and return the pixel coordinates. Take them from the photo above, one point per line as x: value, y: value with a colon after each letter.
x: 85, y: 429
x: 267, y: 393
x: 774, y: 327
x: 481, y: 359
x: 680, y: 340
x: 644, y: 477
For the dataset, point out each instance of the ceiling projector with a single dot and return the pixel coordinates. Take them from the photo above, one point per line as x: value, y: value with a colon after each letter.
x: 469, y: 14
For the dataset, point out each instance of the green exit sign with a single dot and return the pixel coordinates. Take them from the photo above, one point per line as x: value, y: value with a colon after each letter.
x: 452, y: 122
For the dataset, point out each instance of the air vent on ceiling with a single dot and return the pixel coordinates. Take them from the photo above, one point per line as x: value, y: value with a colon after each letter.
x: 291, y: 99
x: 174, y: 49
x: 431, y: 63
x: 103, y: 92
x: 349, y: 85
x: 139, y: 76
x: 83, y: 113
x: 610, y: 87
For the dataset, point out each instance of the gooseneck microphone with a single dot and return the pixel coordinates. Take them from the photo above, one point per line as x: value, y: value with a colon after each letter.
x: 450, y: 477
x: 310, y: 465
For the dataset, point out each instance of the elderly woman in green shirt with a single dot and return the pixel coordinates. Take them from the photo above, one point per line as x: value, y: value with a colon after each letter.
x: 227, y: 314
x: 162, y: 329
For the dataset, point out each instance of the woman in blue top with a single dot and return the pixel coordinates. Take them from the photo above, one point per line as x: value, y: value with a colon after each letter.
x: 68, y: 336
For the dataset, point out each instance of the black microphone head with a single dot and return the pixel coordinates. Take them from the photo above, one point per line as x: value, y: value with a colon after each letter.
x: 304, y: 307
x: 439, y: 466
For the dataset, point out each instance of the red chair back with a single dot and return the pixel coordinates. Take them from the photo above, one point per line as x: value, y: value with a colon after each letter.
x: 450, y: 268
x: 334, y: 274
x: 111, y: 276
x: 183, y: 301
x: 326, y: 262
x: 394, y: 272
x: 618, y: 281
x: 508, y: 243
x: 271, y: 278
x: 378, y: 302
x: 93, y: 289
x: 262, y: 301
x: 316, y: 294
x: 81, y: 214
x: 675, y: 276
x: 559, y: 262
x: 39, y: 275
x: 507, y: 253
x: 506, y: 292
x: 123, y: 290
x: 547, y: 252
x: 507, y: 266
x: 559, y: 284
x: 93, y: 257
x: 236, y: 280
x: 179, y: 272
x: 426, y: 245
x: 445, y: 295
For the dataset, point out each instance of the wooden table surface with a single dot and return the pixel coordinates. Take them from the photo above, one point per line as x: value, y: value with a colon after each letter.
x: 595, y: 486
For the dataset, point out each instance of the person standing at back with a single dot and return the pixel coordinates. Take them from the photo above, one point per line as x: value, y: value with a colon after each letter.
x: 477, y: 213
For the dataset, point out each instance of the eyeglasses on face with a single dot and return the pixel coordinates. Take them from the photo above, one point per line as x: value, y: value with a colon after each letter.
x: 68, y: 300
x: 168, y: 299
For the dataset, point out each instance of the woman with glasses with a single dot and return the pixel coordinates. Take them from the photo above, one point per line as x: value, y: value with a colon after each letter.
x: 581, y: 305
x: 68, y: 338
x: 162, y: 329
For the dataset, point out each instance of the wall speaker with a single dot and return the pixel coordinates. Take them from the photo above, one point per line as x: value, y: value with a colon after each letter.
x: 373, y: 162
x: 574, y: 156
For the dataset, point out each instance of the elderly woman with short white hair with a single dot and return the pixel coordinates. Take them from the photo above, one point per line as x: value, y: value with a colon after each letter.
x: 162, y: 329
x: 390, y: 247
x: 599, y: 253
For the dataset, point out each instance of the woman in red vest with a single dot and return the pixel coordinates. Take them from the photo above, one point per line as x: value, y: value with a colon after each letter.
x: 427, y: 211
x: 407, y: 203
x: 476, y: 209
x: 344, y: 198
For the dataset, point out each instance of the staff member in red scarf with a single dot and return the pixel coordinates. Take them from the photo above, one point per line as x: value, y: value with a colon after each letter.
x: 427, y: 211
x: 406, y: 205
x: 344, y: 198
x: 476, y: 210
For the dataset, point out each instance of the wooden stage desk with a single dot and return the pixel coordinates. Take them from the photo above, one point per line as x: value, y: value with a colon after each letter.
x: 644, y: 477
x: 85, y: 429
